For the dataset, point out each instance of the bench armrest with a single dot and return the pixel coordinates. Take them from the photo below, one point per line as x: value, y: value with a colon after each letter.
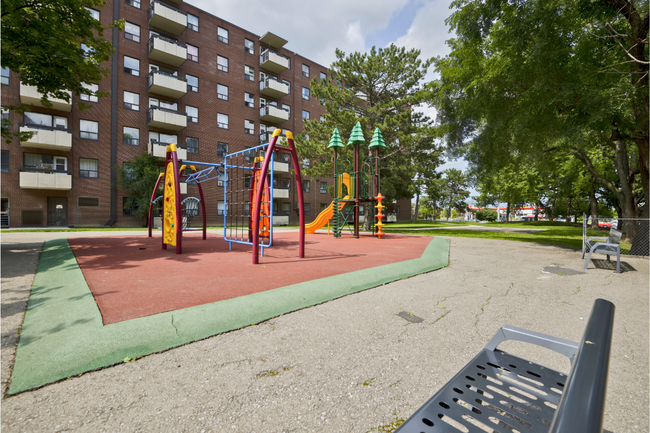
x: 567, y: 348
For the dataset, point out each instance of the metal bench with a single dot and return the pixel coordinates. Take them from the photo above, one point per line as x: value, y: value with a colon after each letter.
x: 604, y: 245
x: 500, y: 392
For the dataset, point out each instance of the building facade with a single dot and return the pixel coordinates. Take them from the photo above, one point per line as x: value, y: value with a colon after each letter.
x: 178, y: 75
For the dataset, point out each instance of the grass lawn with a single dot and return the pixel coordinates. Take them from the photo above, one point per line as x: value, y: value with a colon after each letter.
x: 554, y: 232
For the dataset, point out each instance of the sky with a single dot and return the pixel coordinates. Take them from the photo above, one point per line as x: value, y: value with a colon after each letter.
x: 316, y: 29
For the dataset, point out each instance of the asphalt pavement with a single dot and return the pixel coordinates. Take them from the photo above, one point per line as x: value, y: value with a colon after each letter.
x: 355, y: 364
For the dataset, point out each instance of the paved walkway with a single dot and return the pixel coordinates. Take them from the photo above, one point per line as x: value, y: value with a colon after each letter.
x: 349, y: 365
x: 482, y: 228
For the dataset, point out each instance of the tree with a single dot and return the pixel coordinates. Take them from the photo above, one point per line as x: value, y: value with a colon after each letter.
x: 486, y: 214
x: 559, y: 77
x: 137, y: 178
x: 55, y: 45
x: 380, y: 89
x: 451, y: 191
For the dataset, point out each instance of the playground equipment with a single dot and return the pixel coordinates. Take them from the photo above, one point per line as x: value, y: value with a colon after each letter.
x: 175, y: 217
x: 379, y: 215
x: 246, y: 180
x: 356, y: 184
x: 263, y: 183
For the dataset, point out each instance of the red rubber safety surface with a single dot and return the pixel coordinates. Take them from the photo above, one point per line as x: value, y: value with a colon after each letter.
x: 132, y: 277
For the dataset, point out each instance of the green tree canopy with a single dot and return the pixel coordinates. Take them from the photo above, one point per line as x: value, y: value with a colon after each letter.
x: 137, y: 178
x: 557, y: 76
x: 55, y: 45
x: 379, y: 89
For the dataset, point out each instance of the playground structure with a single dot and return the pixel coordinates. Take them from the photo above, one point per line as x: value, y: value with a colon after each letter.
x: 356, y: 183
x: 247, y: 182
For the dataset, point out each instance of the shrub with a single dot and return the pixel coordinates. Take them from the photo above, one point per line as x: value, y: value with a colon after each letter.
x: 486, y: 215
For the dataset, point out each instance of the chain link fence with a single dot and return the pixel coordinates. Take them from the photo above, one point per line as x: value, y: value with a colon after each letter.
x: 635, y: 238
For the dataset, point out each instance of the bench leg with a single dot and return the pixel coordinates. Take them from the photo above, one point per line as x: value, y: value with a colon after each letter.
x: 588, y: 259
x: 618, y: 261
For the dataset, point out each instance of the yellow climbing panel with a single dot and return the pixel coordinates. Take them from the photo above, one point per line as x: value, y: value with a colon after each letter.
x: 169, y: 207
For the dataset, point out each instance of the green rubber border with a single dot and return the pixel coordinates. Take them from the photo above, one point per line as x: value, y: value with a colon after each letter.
x: 63, y: 334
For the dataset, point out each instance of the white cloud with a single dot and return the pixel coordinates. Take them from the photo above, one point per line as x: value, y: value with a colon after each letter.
x: 313, y: 29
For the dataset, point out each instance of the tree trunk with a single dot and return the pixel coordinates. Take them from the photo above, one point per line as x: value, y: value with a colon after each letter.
x: 568, y: 210
x: 593, y: 205
x: 368, y: 216
x: 536, y: 212
x: 417, y: 206
x: 508, y: 212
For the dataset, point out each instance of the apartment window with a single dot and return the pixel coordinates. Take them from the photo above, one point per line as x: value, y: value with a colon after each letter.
x: 88, y: 129
x: 86, y: 49
x: 305, y: 93
x: 222, y: 92
x: 397, y: 210
x: 250, y: 156
x: 5, y: 162
x: 87, y: 96
x: 193, y: 22
x: 5, y: 118
x: 39, y: 119
x: 37, y: 160
x: 89, y: 168
x: 222, y: 120
x: 88, y: 201
x: 305, y: 163
x: 222, y: 35
x: 305, y: 71
x: 305, y: 186
x: 192, y: 53
x: 323, y: 206
x: 286, y: 208
x: 249, y: 127
x: 130, y: 136
x: 132, y: 32
x: 132, y: 66
x: 192, y: 144
x: 162, y: 138
x: 134, y: 3
x: 5, y: 76
x: 131, y: 101
x: 249, y: 46
x: 249, y: 99
x: 222, y: 149
x: 94, y: 13
x: 192, y: 114
x: 322, y: 118
x: 222, y: 64
x: 126, y: 211
x: 307, y: 209
x: 323, y: 187
x: 305, y: 115
x: 323, y: 77
x: 161, y: 103
x: 249, y: 73
x: 286, y: 183
x: 288, y: 85
x: 192, y: 83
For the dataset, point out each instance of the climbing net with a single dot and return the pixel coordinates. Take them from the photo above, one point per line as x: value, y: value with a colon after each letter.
x: 240, y: 187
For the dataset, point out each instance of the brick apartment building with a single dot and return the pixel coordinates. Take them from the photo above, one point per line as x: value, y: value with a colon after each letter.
x: 178, y: 75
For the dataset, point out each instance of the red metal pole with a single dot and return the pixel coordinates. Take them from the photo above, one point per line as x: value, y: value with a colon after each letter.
x: 177, y: 192
x: 258, y: 196
x: 301, y: 199
x: 153, y: 196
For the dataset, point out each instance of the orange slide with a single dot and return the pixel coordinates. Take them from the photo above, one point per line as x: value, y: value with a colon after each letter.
x: 323, y: 217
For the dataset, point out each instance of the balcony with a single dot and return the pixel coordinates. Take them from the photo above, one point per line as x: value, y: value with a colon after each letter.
x: 39, y: 178
x: 280, y: 220
x: 280, y: 192
x: 280, y: 167
x: 272, y: 40
x: 165, y: 84
x: 274, y: 62
x: 273, y: 114
x: 159, y: 150
x: 167, y: 17
x: 166, y: 119
x: 46, y: 137
x: 29, y: 95
x: 273, y: 88
x: 167, y: 50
